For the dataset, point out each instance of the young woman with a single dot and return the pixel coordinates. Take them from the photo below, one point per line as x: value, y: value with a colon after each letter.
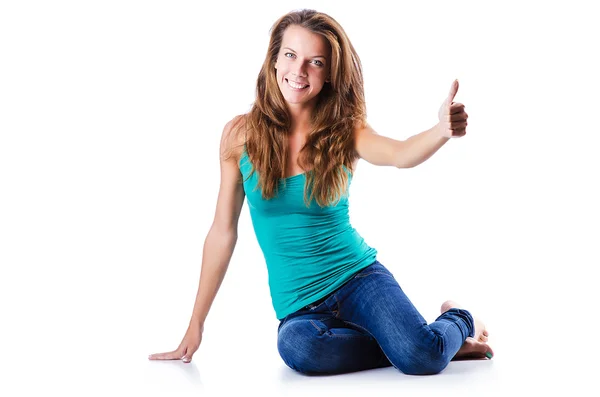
x: 293, y: 157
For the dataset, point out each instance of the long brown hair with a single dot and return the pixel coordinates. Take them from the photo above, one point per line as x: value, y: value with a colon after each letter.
x: 339, y: 109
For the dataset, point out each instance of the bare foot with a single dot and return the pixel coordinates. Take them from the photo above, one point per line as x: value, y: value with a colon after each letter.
x: 472, y: 349
x: 481, y: 334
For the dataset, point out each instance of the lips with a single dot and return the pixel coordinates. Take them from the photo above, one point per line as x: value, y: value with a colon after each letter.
x: 295, y: 85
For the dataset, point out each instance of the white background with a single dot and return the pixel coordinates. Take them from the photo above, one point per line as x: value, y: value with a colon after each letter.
x: 110, y: 118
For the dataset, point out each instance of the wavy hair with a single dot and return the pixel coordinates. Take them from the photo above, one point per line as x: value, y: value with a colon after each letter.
x: 339, y: 109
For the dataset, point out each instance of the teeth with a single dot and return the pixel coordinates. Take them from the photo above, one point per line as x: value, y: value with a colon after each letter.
x: 295, y: 85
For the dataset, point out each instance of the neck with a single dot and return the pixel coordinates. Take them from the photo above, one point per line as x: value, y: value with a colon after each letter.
x: 301, y: 116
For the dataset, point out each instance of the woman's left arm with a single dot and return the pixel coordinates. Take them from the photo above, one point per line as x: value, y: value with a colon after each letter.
x: 381, y: 150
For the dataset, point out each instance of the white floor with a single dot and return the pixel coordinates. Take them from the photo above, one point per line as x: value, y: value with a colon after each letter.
x: 62, y: 348
x: 121, y: 369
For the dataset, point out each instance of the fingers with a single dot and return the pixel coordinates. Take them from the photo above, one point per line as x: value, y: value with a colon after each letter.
x: 185, y: 356
x: 456, y: 108
x: 452, y: 115
x: 455, y: 117
x: 174, y: 355
x: 459, y: 125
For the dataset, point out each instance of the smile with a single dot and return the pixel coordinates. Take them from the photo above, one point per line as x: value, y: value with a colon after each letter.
x: 296, y: 86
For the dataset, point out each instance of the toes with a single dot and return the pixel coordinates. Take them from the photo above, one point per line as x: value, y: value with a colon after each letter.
x: 484, y: 336
x: 485, y: 350
x: 473, y: 349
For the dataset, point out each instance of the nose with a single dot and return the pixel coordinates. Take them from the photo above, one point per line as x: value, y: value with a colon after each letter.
x: 299, y: 70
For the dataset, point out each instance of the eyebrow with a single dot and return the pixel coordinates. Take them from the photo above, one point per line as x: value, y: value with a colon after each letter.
x: 316, y: 56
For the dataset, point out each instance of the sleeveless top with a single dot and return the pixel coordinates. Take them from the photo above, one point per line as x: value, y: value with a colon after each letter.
x: 309, y: 251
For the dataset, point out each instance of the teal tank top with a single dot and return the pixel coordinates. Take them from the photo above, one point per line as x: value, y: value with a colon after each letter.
x: 309, y: 251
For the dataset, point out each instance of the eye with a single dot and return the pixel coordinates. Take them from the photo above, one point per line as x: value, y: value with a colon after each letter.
x: 288, y: 53
x: 318, y: 63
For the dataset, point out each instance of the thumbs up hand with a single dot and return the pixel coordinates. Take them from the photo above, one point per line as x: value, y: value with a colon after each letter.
x: 452, y: 116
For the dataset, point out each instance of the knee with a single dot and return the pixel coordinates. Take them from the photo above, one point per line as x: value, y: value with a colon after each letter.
x: 419, y: 360
x: 296, y: 349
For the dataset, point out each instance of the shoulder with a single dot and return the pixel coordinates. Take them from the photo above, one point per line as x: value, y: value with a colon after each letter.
x: 360, y: 133
x: 235, y: 129
x: 233, y: 138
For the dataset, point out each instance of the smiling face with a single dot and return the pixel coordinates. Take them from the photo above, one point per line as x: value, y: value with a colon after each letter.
x: 302, y: 65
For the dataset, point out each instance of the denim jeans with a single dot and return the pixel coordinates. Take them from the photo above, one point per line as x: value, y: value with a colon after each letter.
x: 370, y: 323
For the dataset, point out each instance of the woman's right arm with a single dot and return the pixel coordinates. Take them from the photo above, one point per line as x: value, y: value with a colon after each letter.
x: 218, y: 245
x: 222, y: 236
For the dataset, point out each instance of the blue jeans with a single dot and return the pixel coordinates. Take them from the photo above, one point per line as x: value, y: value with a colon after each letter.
x: 369, y: 323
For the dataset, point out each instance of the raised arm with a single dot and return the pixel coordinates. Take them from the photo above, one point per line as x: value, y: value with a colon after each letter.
x: 380, y: 150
